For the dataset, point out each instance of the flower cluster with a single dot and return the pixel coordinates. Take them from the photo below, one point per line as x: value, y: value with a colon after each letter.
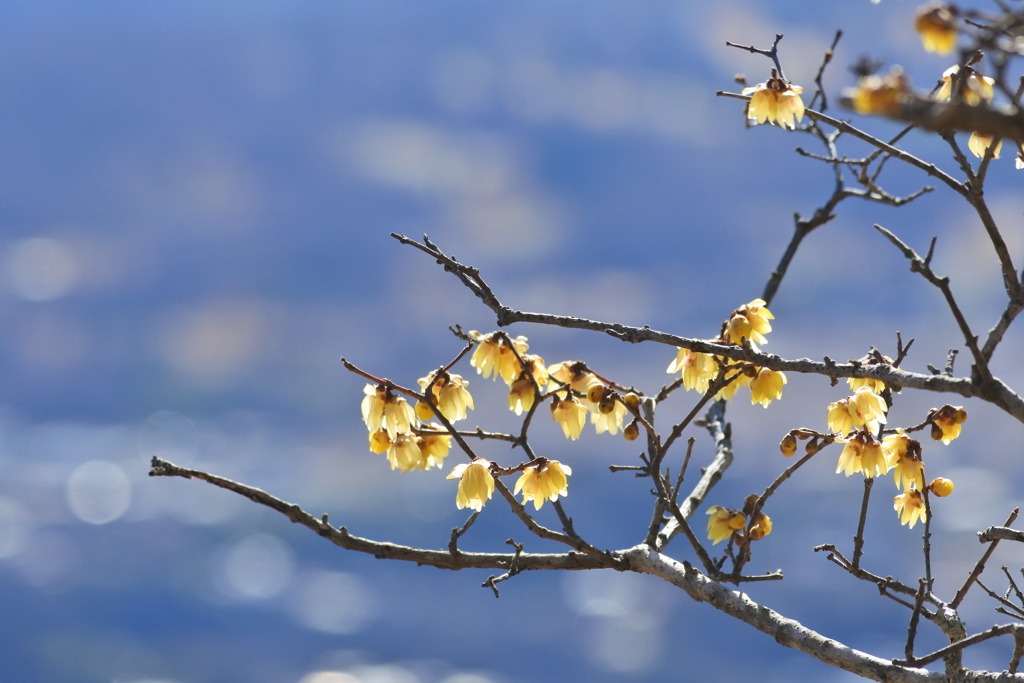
x: 391, y: 421
x: 448, y: 392
x: 864, y: 410
x: 946, y: 422
x: 750, y: 322
x: 775, y: 101
x: 883, y: 95
x: 732, y: 525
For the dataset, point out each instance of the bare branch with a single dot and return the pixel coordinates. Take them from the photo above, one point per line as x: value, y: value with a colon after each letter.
x: 980, y: 566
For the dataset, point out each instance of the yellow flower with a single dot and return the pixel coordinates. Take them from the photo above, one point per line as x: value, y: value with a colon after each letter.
x: 867, y: 409
x: 862, y: 454
x: 839, y: 419
x: 766, y: 387
x: 904, y: 454
x: 910, y: 506
x: 449, y: 393
x: 494, y: 355
x: 979, y: 144
x: 476, y: 485
x: 542, y: 482
x: 730, y: 389
x: 404, y: 453
x: 876, y: 386
x: 433, y: 448
x: 975, y: 88
x: 762, y: 527
x: 758, y: 316
x: 521, y: 395
x: 379, y: 441
x: 610, y: 421
x: 941, y: 487
x: 723, y: 522
x: 946, y: 423
x: 775, y: 101
x: 382, y: 409
x: 698, y: 369
x: 571, y: 372
x: 937, y: 25
x: 570, y: 414
x: 883, y: 95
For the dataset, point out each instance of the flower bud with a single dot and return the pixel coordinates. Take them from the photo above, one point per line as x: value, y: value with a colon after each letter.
x: 738, y: 520
x: 813, y: 446
x: 631, y: 400
x: 750, y: 371
x: 596, y: 393
x: 423, y: 411
x: 607, y: 404
x: 936, y: 432
x: 632, y: 431
x: 788, y: 445
x: 941, y: 487
x: 757, y: 532
x: 960, y: 416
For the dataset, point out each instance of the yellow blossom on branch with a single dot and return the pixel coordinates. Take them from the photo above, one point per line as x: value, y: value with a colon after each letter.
x: 494, y: 354
x: 974, y: 88
x: 762, y: 527
x: 884, y: 95
x: 476, y: 485
x: 449, y: 394
x: 903, y: 454
x: 766, y: 386
x: 936, y: 24
x: 729, y: 390
x: 404, y: 453
x: 379, y: 441
x: 383, y: 409
x: 867, y: 409
x: 698, y: 369
x: 775, y: 101
x: 723, y: 523
x: 433, y: 447
x: 571, y: 372
x: 877, y: 386
x: 542, y: 482
x: 862, y: 454
x: 570, y: 414
x: 910, y: 506
x: 609, y: 415
x: 946, y: 422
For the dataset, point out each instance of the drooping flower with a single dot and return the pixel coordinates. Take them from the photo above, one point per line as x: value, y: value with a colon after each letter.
x: 404, y: 453
x: 884, y: 95
x: 936, y: 23
x: 910, y: 506
x: 979, y: 144
x: 773, y: 101
x: 476, y: 485
x: 946, y: 422
x: 862, y: 454
x: 698, y: 369
x: 608, y: 420
x: 839, y: 419
x: 542, y: 482
x: 758, y: 315
x: 903, y: 454
x: 766, y: 386
x: 379, y: 441
x: 867, y: 409
x: 571, y: 372
x: 494, y: 354
x: 434, y: 447
x: 974, y: 88
x: 570, y: 414
x: 521, y: 395
x: 722, y: 523
x: 449, y: 393
x: 941, y: 487
x: 383, y: 409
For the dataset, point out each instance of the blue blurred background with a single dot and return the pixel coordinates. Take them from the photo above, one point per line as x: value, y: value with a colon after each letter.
x: 195, y: 201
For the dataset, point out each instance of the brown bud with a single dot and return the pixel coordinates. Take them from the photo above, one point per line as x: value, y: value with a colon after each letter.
x: 812, y: 446
x: 631, y: 400
x: 788, y: 445
x: 750, y: 371
x: 607, y: 404
x: 631, y: 431
x: 936, y: 432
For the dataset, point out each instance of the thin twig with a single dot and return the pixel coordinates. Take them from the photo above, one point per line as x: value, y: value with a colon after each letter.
x: 980, y: 566
x: 858, y: 540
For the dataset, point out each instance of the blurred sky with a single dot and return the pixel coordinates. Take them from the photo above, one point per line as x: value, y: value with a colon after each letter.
x: 195, y: 202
